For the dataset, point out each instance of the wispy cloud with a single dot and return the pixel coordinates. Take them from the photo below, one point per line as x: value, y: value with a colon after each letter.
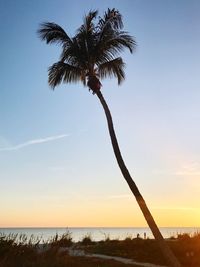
x: 189, y: 169
x: 34, y: 142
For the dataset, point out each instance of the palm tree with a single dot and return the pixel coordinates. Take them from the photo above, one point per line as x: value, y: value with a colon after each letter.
x: 90, y: 56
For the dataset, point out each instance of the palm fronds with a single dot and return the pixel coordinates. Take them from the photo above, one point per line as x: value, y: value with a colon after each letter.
x: 112, y: 68
x: 94, y: 50
x: 53, y: 33
x: 111, y: 18
x: 88, y: 25
x: 63, y: 72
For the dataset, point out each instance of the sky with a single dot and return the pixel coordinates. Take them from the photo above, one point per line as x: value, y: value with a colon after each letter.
x: 57, y: 167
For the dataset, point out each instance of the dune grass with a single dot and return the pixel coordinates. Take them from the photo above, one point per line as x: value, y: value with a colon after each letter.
x: 20, y: 251
x: 184, y: 246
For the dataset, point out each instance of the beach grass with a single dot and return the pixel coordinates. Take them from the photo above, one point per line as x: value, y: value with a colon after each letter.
x: 186, y: 247
x: 18, y: 250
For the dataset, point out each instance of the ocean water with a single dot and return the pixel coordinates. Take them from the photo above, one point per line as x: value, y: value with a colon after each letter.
x: 98, y: 233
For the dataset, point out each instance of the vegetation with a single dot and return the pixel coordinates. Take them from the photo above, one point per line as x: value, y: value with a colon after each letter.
x: 18, y: 250
x: 185, y: 247
x: 87, y: 240
x: 90, y: 56
x: 64, y: 240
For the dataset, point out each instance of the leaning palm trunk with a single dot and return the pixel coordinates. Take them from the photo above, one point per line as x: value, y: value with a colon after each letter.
x: 167, y: 253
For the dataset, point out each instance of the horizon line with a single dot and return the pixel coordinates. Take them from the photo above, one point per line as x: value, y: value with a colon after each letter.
x: 67, y: 227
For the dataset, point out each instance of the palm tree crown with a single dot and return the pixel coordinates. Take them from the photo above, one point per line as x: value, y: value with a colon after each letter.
x: 92, y: 54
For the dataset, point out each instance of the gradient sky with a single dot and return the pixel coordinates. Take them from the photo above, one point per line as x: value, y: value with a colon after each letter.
x: 57, y: 166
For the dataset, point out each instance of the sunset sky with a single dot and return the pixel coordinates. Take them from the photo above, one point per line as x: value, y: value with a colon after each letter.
x: 57, y: 166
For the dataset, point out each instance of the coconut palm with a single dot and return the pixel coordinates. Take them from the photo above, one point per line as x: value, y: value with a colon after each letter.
x: 88, y: 57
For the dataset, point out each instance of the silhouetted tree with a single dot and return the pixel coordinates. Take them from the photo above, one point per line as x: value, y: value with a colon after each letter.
x: 90, y: 56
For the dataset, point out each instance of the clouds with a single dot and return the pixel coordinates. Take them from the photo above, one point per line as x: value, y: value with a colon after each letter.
x: 34, y: 142
x: 189, y: 169
x: 184, y: 168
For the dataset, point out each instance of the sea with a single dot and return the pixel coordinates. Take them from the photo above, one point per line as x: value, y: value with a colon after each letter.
x: 97, y: 233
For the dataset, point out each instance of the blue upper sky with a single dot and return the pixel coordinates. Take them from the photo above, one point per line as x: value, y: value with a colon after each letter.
x: 55, y: 152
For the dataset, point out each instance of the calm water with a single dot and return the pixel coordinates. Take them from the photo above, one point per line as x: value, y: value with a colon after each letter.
x: 99, y: 233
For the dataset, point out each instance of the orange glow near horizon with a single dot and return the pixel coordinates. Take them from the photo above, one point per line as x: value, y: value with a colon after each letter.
x: 117, y: 213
